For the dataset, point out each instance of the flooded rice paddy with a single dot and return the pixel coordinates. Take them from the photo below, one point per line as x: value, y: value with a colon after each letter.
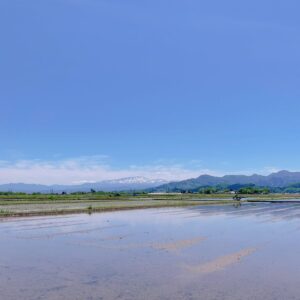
x: 205, y: 252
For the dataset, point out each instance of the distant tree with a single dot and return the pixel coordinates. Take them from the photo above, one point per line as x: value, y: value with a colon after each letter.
x: 253, y: 190
x: 208, y: 190
x: 266, y: 191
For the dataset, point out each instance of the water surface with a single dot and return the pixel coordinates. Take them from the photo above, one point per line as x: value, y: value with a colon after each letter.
x: 206, y: 252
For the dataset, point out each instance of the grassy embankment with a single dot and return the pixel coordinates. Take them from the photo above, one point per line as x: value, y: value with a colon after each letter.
x: 49, y: 204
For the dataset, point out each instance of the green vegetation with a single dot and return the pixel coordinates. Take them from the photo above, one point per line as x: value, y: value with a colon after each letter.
x: 225, y: 189
x: 292, y: 189
x: 253, y: 190
x: 247, y: 189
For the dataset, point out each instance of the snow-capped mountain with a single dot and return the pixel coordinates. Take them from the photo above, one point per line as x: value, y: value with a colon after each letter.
x: 122, y: 184
x: 134, y: 180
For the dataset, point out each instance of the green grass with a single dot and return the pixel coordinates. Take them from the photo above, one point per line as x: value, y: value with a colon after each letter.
x: 4, y: 213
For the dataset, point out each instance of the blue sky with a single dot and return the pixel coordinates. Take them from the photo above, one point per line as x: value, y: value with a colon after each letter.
x: 99, y: 89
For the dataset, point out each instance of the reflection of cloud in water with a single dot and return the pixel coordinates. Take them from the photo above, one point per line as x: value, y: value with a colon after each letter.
x: 222, y: 262
x: 69, y: 232
x: 169, y: 246
x: 178, y: 244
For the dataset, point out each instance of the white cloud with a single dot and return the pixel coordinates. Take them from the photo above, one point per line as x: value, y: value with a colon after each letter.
x: 97, y: 168
x: 89, y: 169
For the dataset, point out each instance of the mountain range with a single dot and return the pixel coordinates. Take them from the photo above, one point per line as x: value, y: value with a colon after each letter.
x: 278, y: 179
x: 122, y: 184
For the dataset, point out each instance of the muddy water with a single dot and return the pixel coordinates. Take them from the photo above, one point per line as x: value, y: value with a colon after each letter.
x: 215, y: 252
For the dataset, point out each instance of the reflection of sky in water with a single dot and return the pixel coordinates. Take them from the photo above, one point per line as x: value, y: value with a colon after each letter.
x: 149, y: 254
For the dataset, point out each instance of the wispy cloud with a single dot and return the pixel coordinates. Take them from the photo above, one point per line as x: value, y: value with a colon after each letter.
x: 90, y: 169
x: 98, y: 167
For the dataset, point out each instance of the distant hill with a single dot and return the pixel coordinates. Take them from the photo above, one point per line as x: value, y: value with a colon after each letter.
x: 275, y: 180
x: 279, y: 179
x: 122, y: 184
